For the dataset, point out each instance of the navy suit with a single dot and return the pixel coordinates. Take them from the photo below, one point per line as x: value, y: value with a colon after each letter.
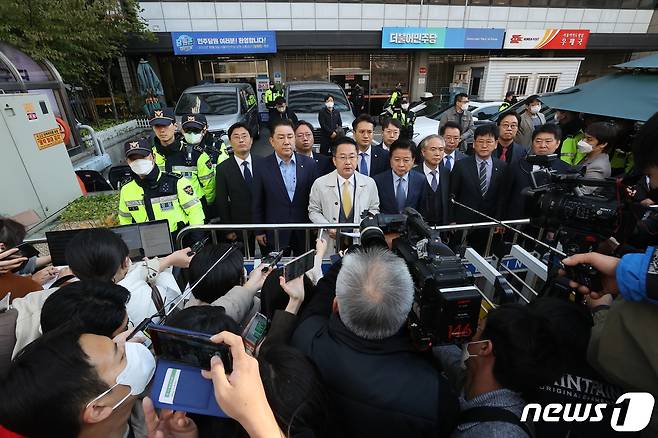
x: 272, y: 205
x: 415, y: 191
x: 324, y: 164
x: 378, y: 160
x: 435, y: 205
x: 459, y: 155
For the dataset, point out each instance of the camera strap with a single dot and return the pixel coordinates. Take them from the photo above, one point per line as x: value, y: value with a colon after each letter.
x: 486, y: 414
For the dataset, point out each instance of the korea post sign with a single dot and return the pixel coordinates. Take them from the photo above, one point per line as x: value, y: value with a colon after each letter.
x: 567, y: 39
x: 441, y: 38
x: 222, y: 43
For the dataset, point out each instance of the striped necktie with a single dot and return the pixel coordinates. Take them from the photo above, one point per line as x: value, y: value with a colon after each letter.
x: 483, y: 178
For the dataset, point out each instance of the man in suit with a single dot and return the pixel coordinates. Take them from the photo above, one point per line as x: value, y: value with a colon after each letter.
x: 451, y: 133
x: 390, y: 132
x: 545, y: 141
x: 435, y: 204
x: 530, y: 120
x: 479, y: 182
x: 507, y: 150
x: 398, y: 187
x: 373, y: 159
x: 282, y: 188
x: 344, y: 194
x: 235, y: 178
x: 304, y: 146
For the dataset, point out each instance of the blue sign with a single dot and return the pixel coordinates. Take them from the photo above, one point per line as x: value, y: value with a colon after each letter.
x: 442, y: 38
x: 222, y: 43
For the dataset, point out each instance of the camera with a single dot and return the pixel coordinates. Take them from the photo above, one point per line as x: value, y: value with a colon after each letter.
x: 446, y: 304
x: 562, y: 202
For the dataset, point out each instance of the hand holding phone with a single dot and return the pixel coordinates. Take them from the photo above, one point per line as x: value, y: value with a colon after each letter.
x: 297, y: 267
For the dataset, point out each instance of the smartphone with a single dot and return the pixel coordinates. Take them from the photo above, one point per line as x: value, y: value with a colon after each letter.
x: 188, y: 347
x: 297, y: 267
x: 272, y: 259
x: 27, y: 250
x: 321, y: 234
x: 254, y: 333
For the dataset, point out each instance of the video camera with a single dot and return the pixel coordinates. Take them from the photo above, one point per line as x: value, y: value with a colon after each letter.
x: 558, y: 202
x: 446, y: 305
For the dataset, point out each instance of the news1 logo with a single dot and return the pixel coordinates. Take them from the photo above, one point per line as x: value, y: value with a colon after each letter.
x: 631, y: 412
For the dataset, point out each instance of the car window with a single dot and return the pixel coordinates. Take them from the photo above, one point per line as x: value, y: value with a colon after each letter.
x: 487, y: 110
x: 214, y: 103
x: 433, y: 108
x: 312, y: 101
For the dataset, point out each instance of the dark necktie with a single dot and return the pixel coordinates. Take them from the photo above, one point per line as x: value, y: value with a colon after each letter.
x: 248, y: 177
x: 363, y: 167
x: 483, y: 178
x: 449, y: 163
x: 400, y: 195
x: 435, y: 182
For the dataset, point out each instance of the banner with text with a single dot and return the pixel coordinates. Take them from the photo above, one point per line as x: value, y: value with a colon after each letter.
x: 441, y: 38
x: 221, y: 43
x: 569, y: 39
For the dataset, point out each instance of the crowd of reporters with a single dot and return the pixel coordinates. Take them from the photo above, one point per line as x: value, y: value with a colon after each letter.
x: 337, y: 359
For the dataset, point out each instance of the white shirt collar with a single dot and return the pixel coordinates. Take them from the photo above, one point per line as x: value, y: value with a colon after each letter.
x: 451, y: 155
x: 396, y: 177
x: 429, y: 171
x: 480, y: 160
x: 342, y: 180
x: 240, y: 160
x: 367, y: 151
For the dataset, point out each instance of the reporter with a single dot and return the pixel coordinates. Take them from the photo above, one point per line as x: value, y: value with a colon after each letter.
x: 225, y: 284
x: 100, y: 254
x: 12, y: 263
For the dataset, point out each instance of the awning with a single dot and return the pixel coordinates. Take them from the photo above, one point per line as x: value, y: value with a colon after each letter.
x: 629, y: 95
x: 646, y: 63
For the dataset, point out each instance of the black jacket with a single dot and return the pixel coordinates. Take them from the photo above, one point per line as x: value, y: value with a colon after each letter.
x: 378, y: 388
x: 324, y: 164
x: 288, y: 114
x: 233, y: 200
x: 329, y: 121
x: 465, y: 187
x: 435, y: 206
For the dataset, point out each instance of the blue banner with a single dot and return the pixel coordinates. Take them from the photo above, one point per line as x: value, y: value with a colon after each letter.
x: 222, y: 43
x: 442, y: 38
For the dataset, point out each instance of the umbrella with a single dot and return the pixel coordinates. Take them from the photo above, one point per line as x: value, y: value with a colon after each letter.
x: 647, y: 63
x: 149, y: 84
x: 629, y: 95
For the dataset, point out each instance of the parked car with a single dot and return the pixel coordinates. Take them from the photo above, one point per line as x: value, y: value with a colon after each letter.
x: 222, y: 104
x: 306, y: 99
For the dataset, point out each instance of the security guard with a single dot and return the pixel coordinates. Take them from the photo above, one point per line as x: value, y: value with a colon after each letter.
x: 269, y: 96
x: 407, y: 118
x: 186, y: 155
x: 155, y: 195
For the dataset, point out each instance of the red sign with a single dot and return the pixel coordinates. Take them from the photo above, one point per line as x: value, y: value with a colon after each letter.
x: 569, y: 39
x: 422, y: 70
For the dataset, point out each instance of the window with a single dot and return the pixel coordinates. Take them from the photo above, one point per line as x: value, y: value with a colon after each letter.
x: 311, y: 100
x: 215, y: 103
x: 517, y: 84
x: 546, y: 83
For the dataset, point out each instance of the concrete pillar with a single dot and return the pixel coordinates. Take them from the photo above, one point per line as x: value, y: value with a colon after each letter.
x: 419, y: 68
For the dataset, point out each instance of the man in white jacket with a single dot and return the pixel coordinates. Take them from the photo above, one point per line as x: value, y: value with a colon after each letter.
x: 344, y: 194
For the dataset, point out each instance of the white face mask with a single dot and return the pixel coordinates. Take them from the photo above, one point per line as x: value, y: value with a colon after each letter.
x: 329, y: 104
x: 466, y: 355
x: 142, y: 166
x: 139, y: 370
x: 405, y: 106
x: 281, y: 109
x: 535, y: 109
x: 193, y: 137
x: 584, y: 147
x: 465, y: 107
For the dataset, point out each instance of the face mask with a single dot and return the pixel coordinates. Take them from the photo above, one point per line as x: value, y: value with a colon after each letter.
x: 193, y: 137
x: 329, y: 105
x: 465, y: 107
x: 281, y: 109
x: 466, y: 355
x: 139, y: 370
x: 142, y: 166
x: 405, y: 106
x: 535, y: 109
x: 584, y: 147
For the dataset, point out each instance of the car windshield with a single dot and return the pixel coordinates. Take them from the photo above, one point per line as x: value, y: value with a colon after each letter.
x: 487, y: 112
x: 214, y: 103
x: 432, y: 108
x: 312, y: 101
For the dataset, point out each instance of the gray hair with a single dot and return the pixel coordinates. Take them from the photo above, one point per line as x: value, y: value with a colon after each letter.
x: 427, y: 139
x: 374, y: 291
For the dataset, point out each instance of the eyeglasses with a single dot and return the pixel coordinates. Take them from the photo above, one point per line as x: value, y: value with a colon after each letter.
x: 307, y: 135
x: 398, y: 160
x: 346, y: 157
x: 488, y: 142
x: 239, y: 137
x: 391, y: 131
x: 509, y: 126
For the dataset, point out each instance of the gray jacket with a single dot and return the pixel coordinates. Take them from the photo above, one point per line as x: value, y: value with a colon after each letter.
x: 240, y: 303
x: 466, y: 118
x: 526, y: 128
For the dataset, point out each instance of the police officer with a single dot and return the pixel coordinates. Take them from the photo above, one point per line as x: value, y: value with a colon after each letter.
x: 186, y: 156
x: 406, y: 117
x: 155, y: 195
x: 510, y: 99
x: 269, y: 96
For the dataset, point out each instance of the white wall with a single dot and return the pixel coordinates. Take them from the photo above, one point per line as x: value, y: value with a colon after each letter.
x: 208, y: 16
x: 497, y: 69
